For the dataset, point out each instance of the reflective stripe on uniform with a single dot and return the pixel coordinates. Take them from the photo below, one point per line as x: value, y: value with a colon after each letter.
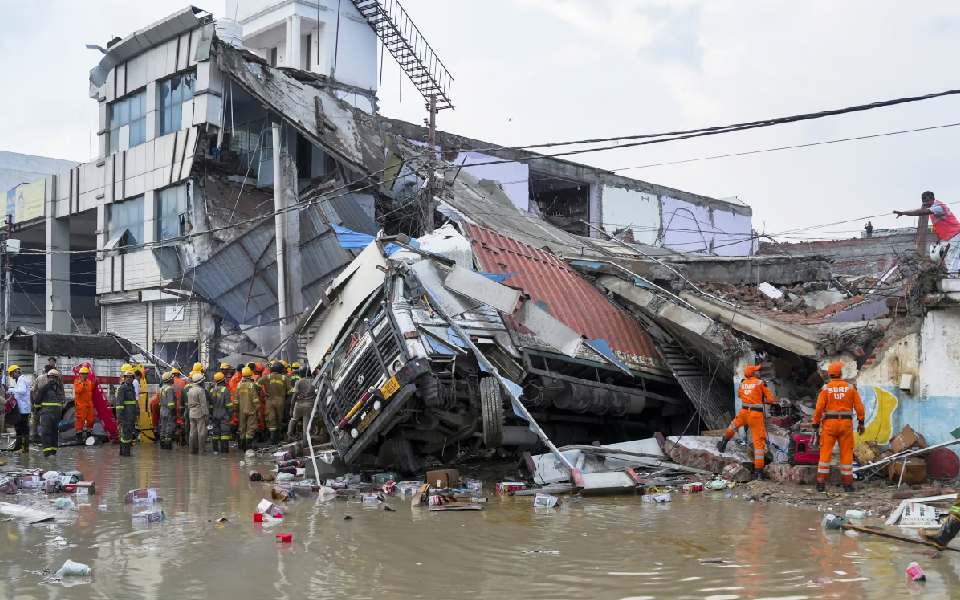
x: 955, y: 510
x: 57, y: 404
x: 50, y: 448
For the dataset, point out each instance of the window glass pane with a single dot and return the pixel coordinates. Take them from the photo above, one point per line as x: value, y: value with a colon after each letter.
x: 175, y: 122
x: 164, y: 94
x: 114, y: 140
x: 113, y: 116
x: 138, y: 131
x: 123, y: 111
x: 135, y: 108
x: 127, y: 215
x: 189, y: 82
x: 175, y: 95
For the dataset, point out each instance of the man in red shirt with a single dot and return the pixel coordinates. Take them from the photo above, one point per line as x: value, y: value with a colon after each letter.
x: 945, y: 225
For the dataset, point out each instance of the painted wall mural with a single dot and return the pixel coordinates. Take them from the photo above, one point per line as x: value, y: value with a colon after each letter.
x: 879, y: 406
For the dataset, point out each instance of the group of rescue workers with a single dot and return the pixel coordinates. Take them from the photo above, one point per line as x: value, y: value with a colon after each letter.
x: 837, y: 404
x: 252, y: 403
x: 257, y: 403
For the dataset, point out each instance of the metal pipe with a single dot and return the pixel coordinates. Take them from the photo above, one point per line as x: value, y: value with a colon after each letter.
x: 279, y: 221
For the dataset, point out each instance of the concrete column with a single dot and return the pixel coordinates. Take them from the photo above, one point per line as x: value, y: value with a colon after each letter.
x: 58, y: 274
x: 293, y: 42
x: 149, y: 216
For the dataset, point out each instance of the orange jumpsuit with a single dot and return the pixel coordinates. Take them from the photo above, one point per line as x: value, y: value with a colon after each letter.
x: 83, y: 404
x: 835, y: 407
x: 754, y: 393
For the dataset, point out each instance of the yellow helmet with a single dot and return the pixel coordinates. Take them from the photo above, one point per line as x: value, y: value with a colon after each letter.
x: 197, y: 366
x: 284, y: 363
x: 295, y: 365
x: 84, y: 370
x: 175, y: 371
x: 126, y: 367
x: 167, y: 376
x: 247, y: 372
x: 13, y: 368
x: 218, y: 376
x: 225, y: 366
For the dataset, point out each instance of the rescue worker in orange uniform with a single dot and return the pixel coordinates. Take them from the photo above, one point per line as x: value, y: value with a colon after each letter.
x: 83, y: 404
x: 753, y: 393
x: 836, y: 404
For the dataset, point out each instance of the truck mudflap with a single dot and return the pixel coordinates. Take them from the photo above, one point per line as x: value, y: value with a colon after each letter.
x: 385, y: 419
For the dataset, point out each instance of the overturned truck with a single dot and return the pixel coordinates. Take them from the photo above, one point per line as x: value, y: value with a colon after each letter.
x: 398, y: 382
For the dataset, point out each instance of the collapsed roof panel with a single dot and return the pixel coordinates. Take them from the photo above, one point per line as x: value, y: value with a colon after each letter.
x: 346, y: 133
x: 555, y: 287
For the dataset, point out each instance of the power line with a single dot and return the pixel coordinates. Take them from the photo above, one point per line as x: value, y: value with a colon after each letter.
x: 702, y: 131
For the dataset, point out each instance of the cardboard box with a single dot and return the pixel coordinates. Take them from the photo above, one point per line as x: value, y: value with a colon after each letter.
x: 906, y: 439
x: 443, y: 478
x: 915, y: 473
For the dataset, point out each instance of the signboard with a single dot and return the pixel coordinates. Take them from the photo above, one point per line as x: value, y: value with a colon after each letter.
x: 173, y: 313
x: 25, y: 202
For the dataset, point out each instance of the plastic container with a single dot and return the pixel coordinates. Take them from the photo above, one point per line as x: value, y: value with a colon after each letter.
x: 855, y: 514
x: 284, y: 538
x: 76, y: 569
x: 370, y: 499
x: 915, y: 573
x: 545, y: 501
x: 258, y: 517
x: 505, y: 488
x: 269, y: 508
x: 153, y: 515
x: 657, y: 498
x: 474, y: 485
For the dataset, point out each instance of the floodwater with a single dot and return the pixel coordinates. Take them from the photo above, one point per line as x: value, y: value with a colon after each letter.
x: 613, y: 547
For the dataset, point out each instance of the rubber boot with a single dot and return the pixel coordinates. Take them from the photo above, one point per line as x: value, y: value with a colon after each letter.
x: 24, y: 444
x: 821, y: 487
x: 80, y: 438
x: 848, y: 488
x: 757, y: 474
x: 275, y: 437
x: 225, y: 446
x: 722, y: 445
x: 947, y: 532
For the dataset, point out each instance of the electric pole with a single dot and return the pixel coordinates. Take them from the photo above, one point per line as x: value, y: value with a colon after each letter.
x: 429, y: 203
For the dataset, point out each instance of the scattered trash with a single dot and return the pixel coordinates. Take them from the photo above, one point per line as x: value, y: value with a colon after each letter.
x: 249, y: 454
x: 855, y: 514
x: 86, y: 488
x: 389, y: 508
x: 915, y: 573
x: 505, y: 488
x: 284, y: 538
x: 918, y: 515
x: 50, y: 475
x: 222, y: 520
x: 832, y: 522
x: 689, y: 488
x: 474, y: 485
x: 408, y: 488
x: 389, y: 488
x: 656, y: 498
x: 548, y: 552
x: 63, y: 504
x: 371, y: 499
x: 153, y: 515
x: 269, y: 508
x: 280, y: 494
x: 545, y: 501
x: 380, y: 479
x: 716, y: 484
x: 257, y: 517
x: 712, y: 561
x: 90, y: 441
x: 770, y: 291
x: 8, y: 485
x: 142, y: 496
x: 256, y: 476
x: 443, y: 478
x: 347, y: 518
x: 285, y: 477
x: 76, y: 569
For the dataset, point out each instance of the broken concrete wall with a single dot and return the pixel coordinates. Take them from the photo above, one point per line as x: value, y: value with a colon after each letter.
x: 696, y: 228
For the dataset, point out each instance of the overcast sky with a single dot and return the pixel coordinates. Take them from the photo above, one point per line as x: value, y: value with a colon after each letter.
x: 530, y: 71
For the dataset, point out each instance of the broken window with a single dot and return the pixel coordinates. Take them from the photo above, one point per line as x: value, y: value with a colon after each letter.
x: 171, y: 212
x: 562, y: 202
x: 126, y: 218
x: 129, y: 111
x: 173, y: 93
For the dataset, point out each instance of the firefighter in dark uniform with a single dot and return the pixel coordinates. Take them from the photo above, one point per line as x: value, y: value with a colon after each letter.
x: 168, y: 411
x: 128, y: 409
x: 50, y: 398
x: 221, y: 410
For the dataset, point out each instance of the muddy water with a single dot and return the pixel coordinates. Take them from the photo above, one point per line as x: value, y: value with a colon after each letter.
x: 588, y: 548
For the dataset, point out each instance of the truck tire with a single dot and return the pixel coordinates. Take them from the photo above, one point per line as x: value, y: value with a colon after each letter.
x: 491, y: 411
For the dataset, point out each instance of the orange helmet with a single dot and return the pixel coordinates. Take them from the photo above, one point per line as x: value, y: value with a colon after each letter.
x: 751, y: 370
x: 835, y: 369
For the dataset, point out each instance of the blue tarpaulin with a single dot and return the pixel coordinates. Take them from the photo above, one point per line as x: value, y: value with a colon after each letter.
x: 354, y: 240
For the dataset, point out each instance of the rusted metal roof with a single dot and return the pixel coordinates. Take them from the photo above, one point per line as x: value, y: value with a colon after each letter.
x: 559, y: 289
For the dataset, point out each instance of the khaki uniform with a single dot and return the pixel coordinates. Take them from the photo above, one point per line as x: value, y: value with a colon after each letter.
x: 248, y: 401
x: 275, y: 388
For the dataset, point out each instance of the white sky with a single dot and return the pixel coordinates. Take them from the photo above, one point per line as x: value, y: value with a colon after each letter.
x: 540, y: 70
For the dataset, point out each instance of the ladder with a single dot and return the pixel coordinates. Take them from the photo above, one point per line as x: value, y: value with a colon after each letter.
x: 402, y: 38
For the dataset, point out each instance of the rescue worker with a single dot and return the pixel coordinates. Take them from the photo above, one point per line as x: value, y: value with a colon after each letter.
x: 83, y: 404
x: 248, y: 401
x: 945, y: 225
x: 949, y: 528
x: 51, y: 399
x: 199, y: 408
x: 293, y: 376
x: 168, y: 411
x: 275, y: 388
x: 38, y: 383
x: 303, y: 396
x: 20, y: 390
x: 180, y: 420
x: 128, y: 409
x: 837, y: 402
x: 221, y: 407
x: 753, y: 393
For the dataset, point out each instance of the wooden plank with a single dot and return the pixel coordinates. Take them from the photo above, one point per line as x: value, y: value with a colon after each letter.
x: 893, y: 536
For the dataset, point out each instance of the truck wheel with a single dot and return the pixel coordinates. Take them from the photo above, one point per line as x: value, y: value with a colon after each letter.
x: 491, y: 410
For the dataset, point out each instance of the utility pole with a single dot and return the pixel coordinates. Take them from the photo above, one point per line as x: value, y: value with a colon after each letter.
x: 279, y: 222
x: 7, y: 284
x: 429, y: 203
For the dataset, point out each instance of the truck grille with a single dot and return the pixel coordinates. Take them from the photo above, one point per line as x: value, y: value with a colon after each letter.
x: 364, y: 373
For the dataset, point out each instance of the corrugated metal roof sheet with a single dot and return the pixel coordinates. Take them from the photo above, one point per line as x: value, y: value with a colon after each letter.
x: 565, y: 294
